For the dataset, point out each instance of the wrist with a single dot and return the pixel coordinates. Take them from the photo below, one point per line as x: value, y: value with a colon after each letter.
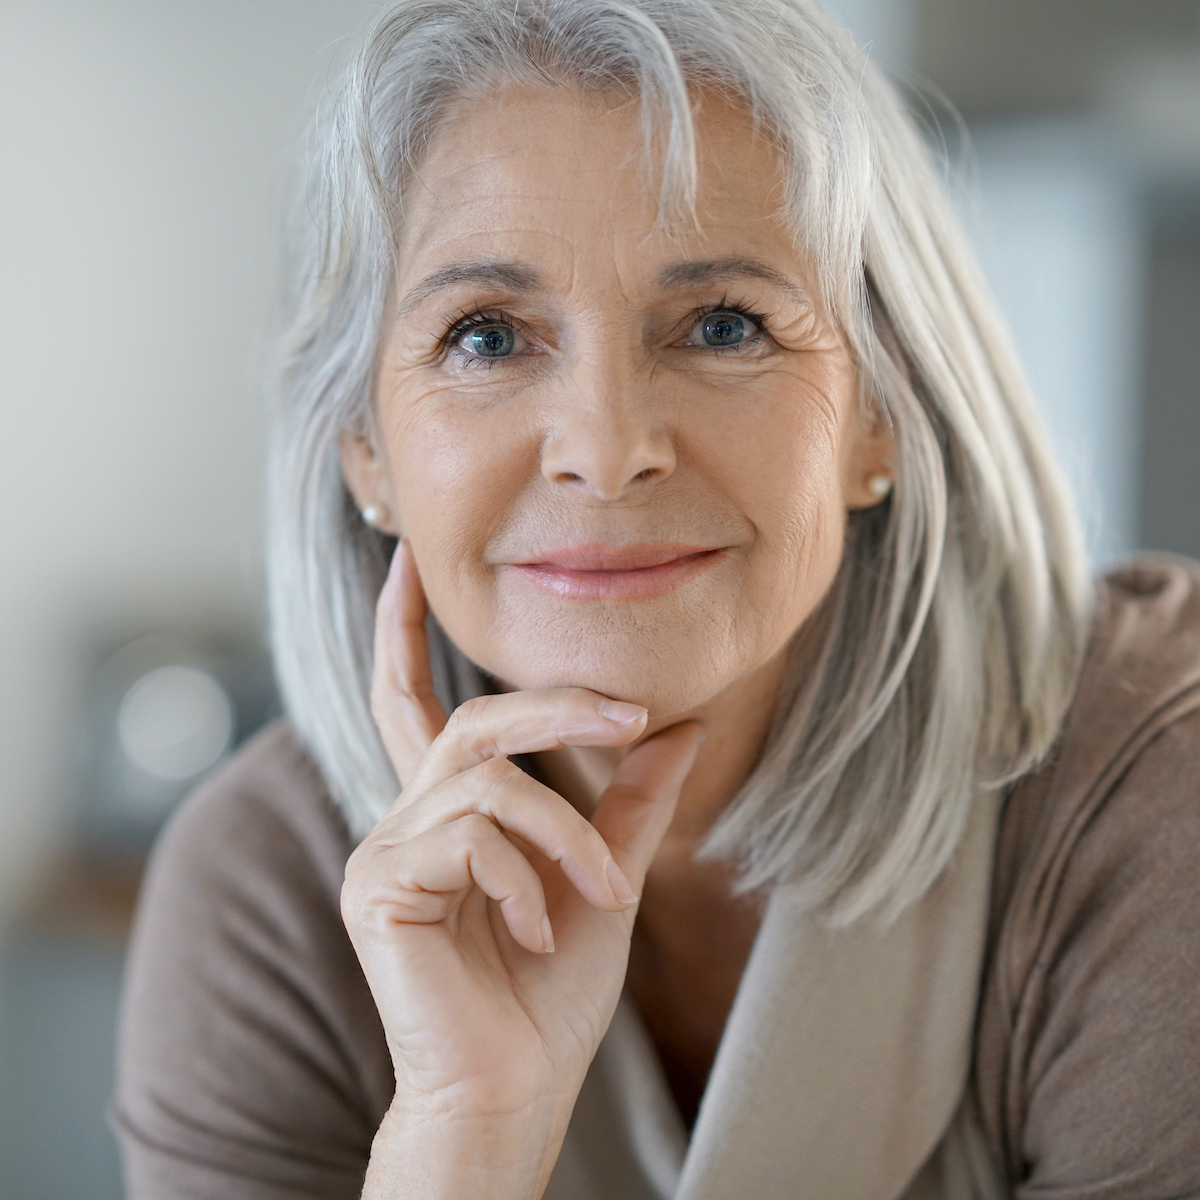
x: 429, y: 1151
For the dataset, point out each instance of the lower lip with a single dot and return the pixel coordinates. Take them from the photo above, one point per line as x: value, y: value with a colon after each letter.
x: 645, y: 582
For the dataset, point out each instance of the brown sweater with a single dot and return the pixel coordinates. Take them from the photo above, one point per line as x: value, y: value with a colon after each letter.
x: 253, y: 1064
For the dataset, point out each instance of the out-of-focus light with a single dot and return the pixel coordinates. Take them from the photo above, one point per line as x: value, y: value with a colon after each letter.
x: 175, y: 722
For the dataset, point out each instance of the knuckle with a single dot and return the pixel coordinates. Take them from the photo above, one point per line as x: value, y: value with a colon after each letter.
x: 358, y: 901
x: 363, y: 861
x: 390, y: 687
x: 575, y: 702
x: 572, y: 706
x: 470, y: 712
x: 350, y: 897
x: 469, y: 723
x: 474, y: 828
x: 498, y: 773
x: 354, y: 865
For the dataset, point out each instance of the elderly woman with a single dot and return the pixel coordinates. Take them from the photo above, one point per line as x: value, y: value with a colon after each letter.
x: 806, y: 823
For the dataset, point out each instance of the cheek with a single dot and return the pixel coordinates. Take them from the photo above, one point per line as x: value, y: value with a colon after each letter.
x: 780, y: 461
x: 811, y: 514
x: 456, y: 470
x: 780, y: 465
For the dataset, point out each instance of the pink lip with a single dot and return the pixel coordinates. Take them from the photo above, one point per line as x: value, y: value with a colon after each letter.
x: 589, y: 572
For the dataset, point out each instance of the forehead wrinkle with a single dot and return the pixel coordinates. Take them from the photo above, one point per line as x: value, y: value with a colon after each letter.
x: 724, y: 270
x: 506, y: 276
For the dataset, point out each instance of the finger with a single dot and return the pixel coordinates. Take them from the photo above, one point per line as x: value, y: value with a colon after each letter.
x: 423, y: 881
x: 403, y: 702
x: 636, y: 808
x: 537, y: 815
x: 527, y: 723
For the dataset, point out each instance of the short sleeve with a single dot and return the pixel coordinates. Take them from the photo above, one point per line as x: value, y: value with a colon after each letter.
x: 1105, y: 1054
x: 252, y: 1065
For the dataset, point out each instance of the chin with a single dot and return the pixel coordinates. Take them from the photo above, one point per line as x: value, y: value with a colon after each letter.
x: 668, y: 677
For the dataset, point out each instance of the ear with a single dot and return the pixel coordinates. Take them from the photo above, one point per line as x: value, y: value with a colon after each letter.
x: 869, y: 465
x: 367, y: 477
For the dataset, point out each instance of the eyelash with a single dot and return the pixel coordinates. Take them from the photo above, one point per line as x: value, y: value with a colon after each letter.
x: 474, y: 319
x: 742, y: 309
x: 477, y: 318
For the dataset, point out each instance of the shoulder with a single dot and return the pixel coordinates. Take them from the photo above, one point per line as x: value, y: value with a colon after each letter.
x: 264, y: 818
x: 251, y: 1058
x: 1140, y: 680
x: 1089, y: 1010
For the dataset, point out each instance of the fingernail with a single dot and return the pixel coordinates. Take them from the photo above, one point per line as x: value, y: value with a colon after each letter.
x: 547, y: 936
x: 621, y: 887
x: 620, y: 713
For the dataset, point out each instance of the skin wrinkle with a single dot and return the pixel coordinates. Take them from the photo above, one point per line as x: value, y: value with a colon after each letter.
x: 728, y: 270
x: 608, y: 430
x: 505, y: 277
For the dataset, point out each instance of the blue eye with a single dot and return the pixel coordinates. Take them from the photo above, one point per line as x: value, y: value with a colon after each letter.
x: 490, y: 341
x: 723, y: 329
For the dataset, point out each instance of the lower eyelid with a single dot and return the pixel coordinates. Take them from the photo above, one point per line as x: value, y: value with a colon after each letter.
x: 755, y: 339
x: 465, y: 358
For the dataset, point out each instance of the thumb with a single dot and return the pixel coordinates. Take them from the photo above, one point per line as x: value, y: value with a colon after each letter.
x: 636, y: 808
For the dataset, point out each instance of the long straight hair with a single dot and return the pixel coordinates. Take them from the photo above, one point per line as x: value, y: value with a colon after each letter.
x: 951, y: 639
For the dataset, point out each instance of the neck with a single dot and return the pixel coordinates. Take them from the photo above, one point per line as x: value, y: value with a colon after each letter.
x: 737, y: 721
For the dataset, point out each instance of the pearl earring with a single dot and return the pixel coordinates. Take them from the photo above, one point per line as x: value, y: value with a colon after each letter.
x: 880, y: 485
x: 375, y: 515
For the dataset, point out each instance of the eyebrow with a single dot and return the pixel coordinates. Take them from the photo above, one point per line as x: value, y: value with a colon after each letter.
x: 505, y: 276
x: 516, y: 277
x: 724, y: 270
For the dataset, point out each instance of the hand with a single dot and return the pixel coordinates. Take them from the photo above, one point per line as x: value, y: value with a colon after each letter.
x: 492, y: 920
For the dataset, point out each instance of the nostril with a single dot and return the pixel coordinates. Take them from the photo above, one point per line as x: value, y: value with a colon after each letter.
x: 609, y: 464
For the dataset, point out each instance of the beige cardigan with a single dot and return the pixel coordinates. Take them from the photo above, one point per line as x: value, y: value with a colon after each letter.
x: 1031, y: 1028
x: 841, y: 1067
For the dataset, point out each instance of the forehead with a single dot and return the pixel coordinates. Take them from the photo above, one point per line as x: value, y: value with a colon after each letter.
x: 551, y: 169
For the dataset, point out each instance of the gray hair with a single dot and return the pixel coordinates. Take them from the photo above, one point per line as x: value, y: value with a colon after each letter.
x: 950, y: 642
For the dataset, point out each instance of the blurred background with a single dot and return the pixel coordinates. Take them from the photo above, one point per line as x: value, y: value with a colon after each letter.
x: 145, y: 148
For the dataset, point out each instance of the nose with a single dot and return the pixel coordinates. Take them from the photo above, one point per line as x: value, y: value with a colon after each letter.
x: 606, y: 438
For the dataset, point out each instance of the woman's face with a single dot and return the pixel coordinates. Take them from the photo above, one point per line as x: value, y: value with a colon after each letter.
x: 623, y: 458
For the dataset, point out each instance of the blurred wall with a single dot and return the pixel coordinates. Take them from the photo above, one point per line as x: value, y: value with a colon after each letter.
x: 1049, y: 193
x: 1060, y: 232
x: 144, y: 149
x: 1031, y: 57
x: 1080, y: 182
x: 886, y: 28
x: 1170, y: 492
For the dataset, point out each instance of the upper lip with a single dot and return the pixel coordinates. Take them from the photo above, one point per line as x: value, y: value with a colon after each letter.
x: 593, y: 557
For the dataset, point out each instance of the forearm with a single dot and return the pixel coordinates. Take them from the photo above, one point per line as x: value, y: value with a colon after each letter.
x: 430, y: 1156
